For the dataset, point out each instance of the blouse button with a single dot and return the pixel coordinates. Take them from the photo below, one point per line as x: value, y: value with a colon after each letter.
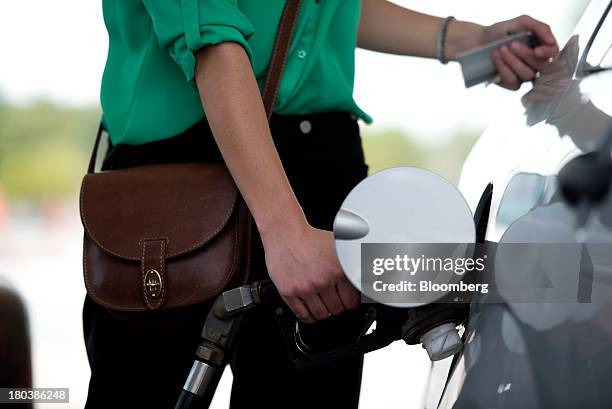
x: 301, y: 54
x: 305, y: 127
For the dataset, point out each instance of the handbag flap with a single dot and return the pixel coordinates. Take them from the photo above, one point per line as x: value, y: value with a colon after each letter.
x: 185, y: 204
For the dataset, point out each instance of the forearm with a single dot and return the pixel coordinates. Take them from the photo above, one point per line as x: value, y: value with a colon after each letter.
x: 236, y: 115
x: 301, y: 260
x: 389, y: 28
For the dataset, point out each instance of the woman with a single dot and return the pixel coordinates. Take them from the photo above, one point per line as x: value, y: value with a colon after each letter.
x: 170, y: 60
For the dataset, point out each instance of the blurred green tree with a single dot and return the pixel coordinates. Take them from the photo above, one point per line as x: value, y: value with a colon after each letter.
x: 389, y: 148
x: 44, y: 150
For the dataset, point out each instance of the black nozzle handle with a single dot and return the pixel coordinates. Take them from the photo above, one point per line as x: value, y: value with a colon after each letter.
x: 264, y: 292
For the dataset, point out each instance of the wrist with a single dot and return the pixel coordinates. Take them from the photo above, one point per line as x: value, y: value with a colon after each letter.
x: 281, y: 225
x: 462, y: 36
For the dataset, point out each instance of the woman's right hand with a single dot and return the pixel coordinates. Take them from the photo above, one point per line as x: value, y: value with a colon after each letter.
x: 303, y: 264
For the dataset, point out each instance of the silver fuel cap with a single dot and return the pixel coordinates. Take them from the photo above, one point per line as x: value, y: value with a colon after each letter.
x: 399, y: 205
x: 404, y: 205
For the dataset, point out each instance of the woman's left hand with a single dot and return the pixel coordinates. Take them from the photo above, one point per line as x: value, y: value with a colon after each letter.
x: 516, y: 62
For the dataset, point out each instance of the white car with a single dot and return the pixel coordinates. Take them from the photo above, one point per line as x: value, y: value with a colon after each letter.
x: 544, y: 178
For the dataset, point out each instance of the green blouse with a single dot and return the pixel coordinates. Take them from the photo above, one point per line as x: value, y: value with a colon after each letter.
x: 148, y: 91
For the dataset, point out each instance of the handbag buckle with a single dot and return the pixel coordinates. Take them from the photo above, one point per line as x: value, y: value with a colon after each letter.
x: 153, y: 284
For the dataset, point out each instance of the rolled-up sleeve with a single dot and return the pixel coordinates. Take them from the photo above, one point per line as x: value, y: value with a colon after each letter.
x: 185, y: 26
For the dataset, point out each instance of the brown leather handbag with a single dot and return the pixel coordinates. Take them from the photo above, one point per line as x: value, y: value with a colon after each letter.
x: 171, y: 235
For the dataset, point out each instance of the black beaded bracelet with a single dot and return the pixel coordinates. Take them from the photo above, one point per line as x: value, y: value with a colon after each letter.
x: 442, y: 39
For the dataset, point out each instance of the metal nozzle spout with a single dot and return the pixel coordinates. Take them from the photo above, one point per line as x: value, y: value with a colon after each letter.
x: 442, y: 341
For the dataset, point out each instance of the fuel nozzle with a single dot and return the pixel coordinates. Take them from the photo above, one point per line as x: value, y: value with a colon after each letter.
x: 442, y: 341
x: 434, y: 326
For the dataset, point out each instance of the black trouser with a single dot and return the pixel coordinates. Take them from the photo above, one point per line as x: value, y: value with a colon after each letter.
x: 142, y: 359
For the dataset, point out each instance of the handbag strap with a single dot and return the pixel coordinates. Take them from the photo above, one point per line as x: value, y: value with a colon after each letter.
x: 284, y: 35
x: 282, y: 43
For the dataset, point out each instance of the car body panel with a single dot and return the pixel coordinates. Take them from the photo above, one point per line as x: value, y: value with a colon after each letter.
x: 541, y: 355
